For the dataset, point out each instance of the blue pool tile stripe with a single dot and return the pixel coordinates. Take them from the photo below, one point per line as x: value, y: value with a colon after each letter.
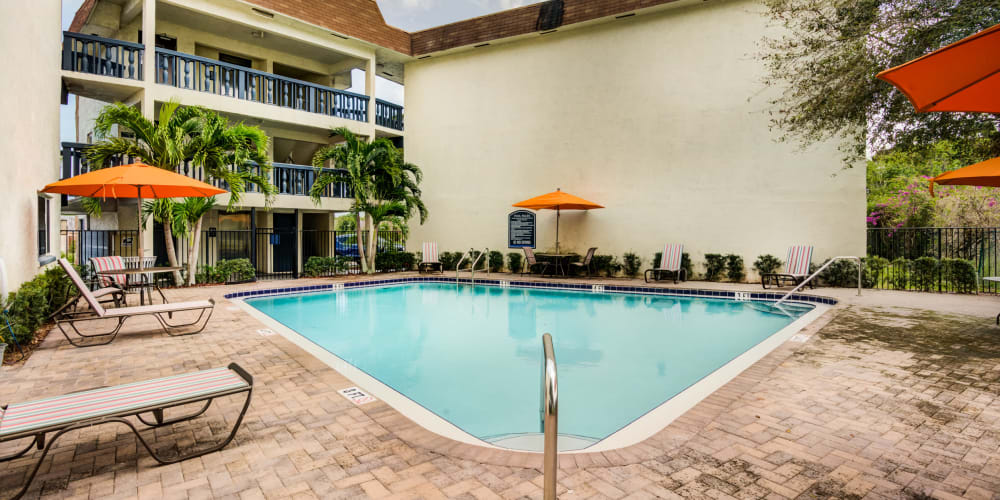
x: 533, y: 284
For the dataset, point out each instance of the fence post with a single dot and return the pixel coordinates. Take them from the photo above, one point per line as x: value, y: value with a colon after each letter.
x: 253, y: 238
x: 939, y: 258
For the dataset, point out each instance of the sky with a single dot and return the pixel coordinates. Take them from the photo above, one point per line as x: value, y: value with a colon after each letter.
x: 410, y: 15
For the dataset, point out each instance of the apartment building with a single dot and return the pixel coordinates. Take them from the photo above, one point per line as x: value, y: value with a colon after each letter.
x: 654, y: 108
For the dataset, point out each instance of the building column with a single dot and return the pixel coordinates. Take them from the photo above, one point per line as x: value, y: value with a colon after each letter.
x: 147, y: 103
x: 370, y: 88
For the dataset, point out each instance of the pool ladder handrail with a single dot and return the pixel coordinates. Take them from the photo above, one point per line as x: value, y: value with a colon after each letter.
x: 472, y: 270
x: 550, y: 419
x: 821, y: 269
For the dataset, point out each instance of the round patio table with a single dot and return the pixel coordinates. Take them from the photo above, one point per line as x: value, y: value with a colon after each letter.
x: 144, y: 286
x: 561, y: 259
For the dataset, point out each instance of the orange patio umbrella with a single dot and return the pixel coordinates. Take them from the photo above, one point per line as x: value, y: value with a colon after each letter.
x: 133, y: 181
x: 558, y: 201
x: 963, y: 76
x: 986, y: 173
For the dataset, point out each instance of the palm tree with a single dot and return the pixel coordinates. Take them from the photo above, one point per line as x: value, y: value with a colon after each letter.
x: 235, y: 155
x: 385, y: 187
x: 192, y: 210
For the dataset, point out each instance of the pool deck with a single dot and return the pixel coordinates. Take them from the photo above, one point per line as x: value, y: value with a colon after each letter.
x: 892, y: 395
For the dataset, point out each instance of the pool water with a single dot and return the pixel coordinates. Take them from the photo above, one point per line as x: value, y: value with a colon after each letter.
x: 473, y: 355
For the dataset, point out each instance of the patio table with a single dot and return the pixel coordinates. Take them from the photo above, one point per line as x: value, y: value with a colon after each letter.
x: 143, y: 287
x: 561, y: 260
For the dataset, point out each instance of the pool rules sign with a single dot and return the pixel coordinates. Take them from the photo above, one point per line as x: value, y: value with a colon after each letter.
x: 521, y: 229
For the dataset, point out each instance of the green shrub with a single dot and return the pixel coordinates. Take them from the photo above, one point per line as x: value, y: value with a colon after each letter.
x: 687, y: 266
x: 842, y: 273
x: 448, y: 260
x: 714, y: 265
x: 734, y: 268
x: 899, y: 273
x: 394, y: 261
x: 875, y: 271
x: 29, y: 307
x: 515, y: 262
x: 607, y: 264
x: 767, y: 264
x: 961, y: 273
x: 631, y: 264
x: 925, y: 273
x: 227, y: 271
x: 496, y: 261
x: 323, y: 266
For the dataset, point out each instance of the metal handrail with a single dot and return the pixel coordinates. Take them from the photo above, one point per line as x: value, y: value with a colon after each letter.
x: 550, y: 419
x: 459, y: 265
x: 476, y: 263
x: 821, y: 269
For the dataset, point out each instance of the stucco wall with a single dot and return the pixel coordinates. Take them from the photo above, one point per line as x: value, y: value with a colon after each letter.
x: 661, y: 118
x: 29, y: 135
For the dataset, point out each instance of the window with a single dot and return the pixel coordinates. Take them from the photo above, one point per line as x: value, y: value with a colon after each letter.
x: 43, y: 225
x: 237, y: 60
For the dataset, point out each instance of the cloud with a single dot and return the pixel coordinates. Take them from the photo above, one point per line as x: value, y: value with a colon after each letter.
x: 416, y: 4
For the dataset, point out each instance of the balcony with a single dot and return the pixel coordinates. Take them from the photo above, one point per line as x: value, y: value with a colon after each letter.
x: 388, y: 115
x: 101, y: 56
x: 201, y: 74
x: 290, y: 179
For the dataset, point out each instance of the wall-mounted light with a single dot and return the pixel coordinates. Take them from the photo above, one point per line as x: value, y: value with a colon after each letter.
x: 257, y: 34
x: 260, y: 12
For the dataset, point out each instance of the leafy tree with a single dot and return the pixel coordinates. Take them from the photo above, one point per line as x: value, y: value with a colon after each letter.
x: 204, y: 138
x: 385, y: 187
x: 828, y: 53
x: 192, y: 211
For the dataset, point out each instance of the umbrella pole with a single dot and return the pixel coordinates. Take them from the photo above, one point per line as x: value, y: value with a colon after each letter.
x: 138, y: 214
x: 557, y: 230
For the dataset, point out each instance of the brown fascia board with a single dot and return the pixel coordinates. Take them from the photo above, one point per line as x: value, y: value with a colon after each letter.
x: 362, y: 19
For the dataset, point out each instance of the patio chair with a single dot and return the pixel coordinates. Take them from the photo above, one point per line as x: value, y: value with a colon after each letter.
x: 530, y: 262
x: 670, y: 265
x: 162, y: 312
x: 112, y: 405
x: 586, y: 263
x: 796, y: 268
x: 429, y: 261
x: 144, y: 283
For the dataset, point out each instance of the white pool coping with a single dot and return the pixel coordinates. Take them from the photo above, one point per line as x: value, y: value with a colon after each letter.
x: 635, y: 432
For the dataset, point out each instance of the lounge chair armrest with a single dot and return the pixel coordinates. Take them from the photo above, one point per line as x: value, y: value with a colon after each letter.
x: 242, y: 373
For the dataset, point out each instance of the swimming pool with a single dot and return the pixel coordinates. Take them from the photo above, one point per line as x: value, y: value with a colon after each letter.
x: 472, y: 355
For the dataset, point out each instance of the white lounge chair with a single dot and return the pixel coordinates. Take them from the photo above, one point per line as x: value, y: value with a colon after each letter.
x: 162, y: 312
x: 429, y: 259
x: 670, y: 265
x: 796, y: 267
x: 112, y: 405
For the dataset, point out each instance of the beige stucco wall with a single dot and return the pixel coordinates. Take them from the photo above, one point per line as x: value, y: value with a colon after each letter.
x: 30, y: 41
x: 661, y: 118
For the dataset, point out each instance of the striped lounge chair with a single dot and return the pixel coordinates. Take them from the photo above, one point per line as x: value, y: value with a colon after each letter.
x: 143, y: 283
x: 429, y: 261
x: 46, y: 420
x: 162, y: 312
x: 670, y: 265
x: 796, y: 268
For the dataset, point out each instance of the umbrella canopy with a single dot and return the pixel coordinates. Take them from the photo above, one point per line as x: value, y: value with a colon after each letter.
x: 558, y: 201
x: 985, y: 173
x: 963, y: 76
x: 133, y: 181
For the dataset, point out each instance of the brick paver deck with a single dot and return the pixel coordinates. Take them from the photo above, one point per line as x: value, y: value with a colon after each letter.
x: 877, y: 403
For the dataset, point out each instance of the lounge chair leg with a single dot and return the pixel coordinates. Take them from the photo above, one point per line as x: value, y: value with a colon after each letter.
x: 38, y: 440
x: 167, y: 326
x: 72, y: 324
x: 159, y: 420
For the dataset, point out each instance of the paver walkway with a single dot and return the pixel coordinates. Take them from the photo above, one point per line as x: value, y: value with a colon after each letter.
x: 877, y: 403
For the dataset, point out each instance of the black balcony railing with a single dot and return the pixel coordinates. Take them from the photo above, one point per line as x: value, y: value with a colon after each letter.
x: 288, y: 178
x: 192, y: 72
x: 101, y: 56
x: 388, y: 114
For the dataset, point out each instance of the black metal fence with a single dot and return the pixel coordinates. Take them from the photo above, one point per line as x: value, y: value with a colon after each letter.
x: 274, y: 253
x: 903, y: 246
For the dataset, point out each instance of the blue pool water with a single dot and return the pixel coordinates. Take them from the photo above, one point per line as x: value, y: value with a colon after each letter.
x: 472, y: 355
